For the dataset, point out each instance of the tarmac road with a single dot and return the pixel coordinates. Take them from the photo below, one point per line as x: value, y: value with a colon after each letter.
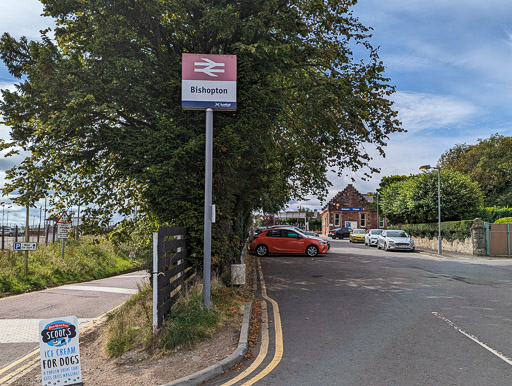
x: 362, y: 316
x: 20, y: 315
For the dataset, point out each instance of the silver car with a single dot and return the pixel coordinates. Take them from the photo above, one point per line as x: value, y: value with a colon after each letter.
x: 395, y: 240
x: 371, y: 237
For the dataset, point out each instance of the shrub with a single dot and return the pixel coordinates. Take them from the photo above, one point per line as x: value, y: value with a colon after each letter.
x: 503, y: 220
x: 493, y: 213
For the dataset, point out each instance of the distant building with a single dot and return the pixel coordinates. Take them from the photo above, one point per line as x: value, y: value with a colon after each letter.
x: 297, y: 215
x: 350, y: 209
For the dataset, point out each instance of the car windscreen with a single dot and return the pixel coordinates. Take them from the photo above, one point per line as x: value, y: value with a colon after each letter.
x: 396, y: 234
x: 359, y: 232
x: 375, y: 232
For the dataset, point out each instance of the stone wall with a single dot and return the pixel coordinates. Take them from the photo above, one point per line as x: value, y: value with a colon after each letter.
x: 473, y: 245
x: 465, y: 247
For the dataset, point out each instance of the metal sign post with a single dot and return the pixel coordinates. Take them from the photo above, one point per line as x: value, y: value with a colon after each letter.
x: 208, y: 83
x: 63, y: 228
x: 208, y: 209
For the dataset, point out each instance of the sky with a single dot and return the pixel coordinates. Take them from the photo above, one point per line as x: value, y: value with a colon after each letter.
x: 450, y: 62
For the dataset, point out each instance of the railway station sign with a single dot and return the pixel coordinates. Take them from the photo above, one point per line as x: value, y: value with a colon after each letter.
x: 208, y: 81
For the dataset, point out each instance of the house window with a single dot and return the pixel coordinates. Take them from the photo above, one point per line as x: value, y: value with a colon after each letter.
x: 381, y: 222
x: 363, y: 220
x: 336, y: 219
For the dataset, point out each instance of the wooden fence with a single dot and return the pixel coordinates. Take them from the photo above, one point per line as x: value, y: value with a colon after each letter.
x: 171, y: 272
x: 499, y: 239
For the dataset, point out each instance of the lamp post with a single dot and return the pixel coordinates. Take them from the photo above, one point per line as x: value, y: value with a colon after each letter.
x: 428, y: 167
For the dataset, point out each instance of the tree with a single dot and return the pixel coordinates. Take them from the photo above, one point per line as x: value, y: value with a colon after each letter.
x: 98, y: 107
x: 415, y: 200
x: 489, y: 163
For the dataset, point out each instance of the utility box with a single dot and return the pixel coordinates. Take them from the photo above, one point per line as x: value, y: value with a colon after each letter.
x: 238, y: 274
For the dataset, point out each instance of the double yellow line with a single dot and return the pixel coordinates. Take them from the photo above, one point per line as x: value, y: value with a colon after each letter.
x: 22, y: 368
x: 35, y: 360
x: 278, y: 355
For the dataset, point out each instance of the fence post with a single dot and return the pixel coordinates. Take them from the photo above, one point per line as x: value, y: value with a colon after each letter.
x: 508, y: 238
x: 487, y: 238
x: 155, y: 281
x: 480, y: 238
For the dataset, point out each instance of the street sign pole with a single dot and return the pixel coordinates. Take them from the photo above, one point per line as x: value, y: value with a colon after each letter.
x: 27, y: 237
x: 208, y: 208
x: 208, y: 83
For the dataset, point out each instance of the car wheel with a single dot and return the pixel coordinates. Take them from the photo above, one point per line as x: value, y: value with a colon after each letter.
x: 312, y: 251
x: 342, y: 237
x: 378, y: 246
x: 386, y: 248
x: 261, y: 250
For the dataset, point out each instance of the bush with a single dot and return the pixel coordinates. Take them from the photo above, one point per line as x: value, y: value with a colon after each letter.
x: 131, y: 326
x: 491, y: 214
x: 450, y: 230
x: 503, y: 220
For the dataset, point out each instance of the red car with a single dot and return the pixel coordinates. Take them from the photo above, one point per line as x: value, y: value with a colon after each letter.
x: 276, y: 240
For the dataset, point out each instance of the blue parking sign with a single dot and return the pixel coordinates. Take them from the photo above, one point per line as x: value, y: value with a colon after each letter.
x: 17, y: 246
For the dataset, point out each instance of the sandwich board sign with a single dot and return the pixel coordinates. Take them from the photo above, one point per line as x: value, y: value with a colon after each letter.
x: 208, y: 81
x: 60, y: 351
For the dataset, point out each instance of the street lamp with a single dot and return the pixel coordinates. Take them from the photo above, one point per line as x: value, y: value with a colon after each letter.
x: 428, y: 167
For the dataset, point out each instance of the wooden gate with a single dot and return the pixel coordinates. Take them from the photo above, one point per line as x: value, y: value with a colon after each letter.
x: 498, y: 239
x: 170, y: 270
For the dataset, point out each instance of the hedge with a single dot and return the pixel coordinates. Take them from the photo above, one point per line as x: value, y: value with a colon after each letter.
x: 491, y: 214
x: 450, y: 230
x: 504, y: 220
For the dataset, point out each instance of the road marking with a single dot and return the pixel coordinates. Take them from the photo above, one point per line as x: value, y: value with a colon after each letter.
x: 99, y: 289
x: 474, y: 338
x: 125, y: 276
x: 88, y: 325
x: 16, y: 363
x: 278, y: 331
x: 263, y: 348
x: 21, y: 369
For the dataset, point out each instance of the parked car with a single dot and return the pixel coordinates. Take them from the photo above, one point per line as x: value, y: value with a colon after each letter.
x: 396, y: 240
x: 12, y: 232
x: 340, y: 233
x: 285, y: 240
x: 371, y: 237
x: 309, y: 234
x: 357, y: 236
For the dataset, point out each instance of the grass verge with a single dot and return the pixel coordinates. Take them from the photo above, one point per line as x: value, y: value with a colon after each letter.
x: 85, y: 259
x: 189, y: 322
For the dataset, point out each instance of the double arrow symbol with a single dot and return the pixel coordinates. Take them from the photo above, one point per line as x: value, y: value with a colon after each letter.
x: 209, y: 67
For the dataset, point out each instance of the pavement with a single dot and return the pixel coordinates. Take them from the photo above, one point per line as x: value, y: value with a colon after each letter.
x: 448, y: 255
x: 21, y: 314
